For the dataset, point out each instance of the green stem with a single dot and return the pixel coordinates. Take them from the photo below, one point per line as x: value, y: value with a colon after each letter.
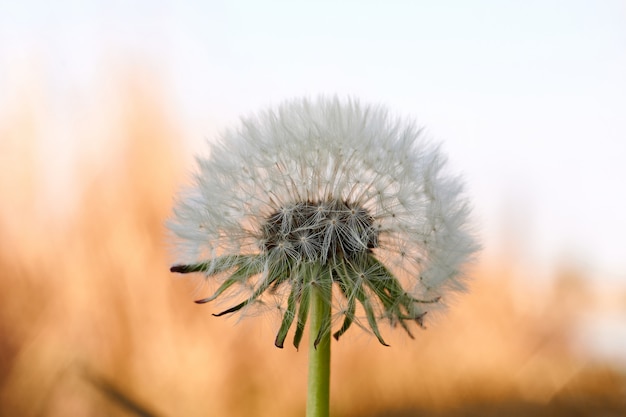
x: 318, y: 395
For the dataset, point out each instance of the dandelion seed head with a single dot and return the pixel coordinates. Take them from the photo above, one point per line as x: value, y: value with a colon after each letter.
x: 330, y: 183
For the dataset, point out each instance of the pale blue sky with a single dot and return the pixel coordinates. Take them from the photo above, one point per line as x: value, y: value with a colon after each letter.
x: 528, y: 97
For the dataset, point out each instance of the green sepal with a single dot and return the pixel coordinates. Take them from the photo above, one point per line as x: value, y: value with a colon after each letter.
x: 186, y: 269
x: 350, y: 276
x: 246, y: 268
x: 388, y: 290
x: 214, y: 266
x: 287, y: 318
x: 369, y: 312
x: 393, y: 298
x: 233, y: 309
x: 303, y: 314
x: 274, y: 275
x: 348, y: 292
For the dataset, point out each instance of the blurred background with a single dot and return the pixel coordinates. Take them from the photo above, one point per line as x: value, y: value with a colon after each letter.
x: 104, y: 104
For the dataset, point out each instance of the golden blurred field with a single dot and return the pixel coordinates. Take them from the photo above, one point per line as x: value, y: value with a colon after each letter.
x: 93, y: 324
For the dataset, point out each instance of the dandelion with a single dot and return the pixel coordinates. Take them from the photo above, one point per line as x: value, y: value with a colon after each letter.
x: 325, y: 210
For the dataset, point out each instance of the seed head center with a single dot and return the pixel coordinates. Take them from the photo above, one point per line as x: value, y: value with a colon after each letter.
x: 320, y: 230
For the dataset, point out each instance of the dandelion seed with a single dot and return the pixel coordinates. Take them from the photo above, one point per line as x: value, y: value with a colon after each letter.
x: 326, y: 194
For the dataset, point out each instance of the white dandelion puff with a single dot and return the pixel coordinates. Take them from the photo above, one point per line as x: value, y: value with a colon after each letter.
x: 330, y: 193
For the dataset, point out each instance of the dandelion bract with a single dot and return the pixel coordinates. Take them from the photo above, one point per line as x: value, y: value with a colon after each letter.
x: 329, y: 194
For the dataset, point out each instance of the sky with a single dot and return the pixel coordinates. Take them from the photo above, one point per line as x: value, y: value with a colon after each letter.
x: 528, y: 98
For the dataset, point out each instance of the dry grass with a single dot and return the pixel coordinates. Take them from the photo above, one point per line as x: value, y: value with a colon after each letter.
x: 93, y: 324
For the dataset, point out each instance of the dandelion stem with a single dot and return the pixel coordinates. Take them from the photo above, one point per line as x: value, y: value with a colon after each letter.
x: 318, y: 404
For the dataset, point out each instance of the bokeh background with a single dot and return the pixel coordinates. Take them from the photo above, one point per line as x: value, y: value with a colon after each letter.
x: 104, y: 103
